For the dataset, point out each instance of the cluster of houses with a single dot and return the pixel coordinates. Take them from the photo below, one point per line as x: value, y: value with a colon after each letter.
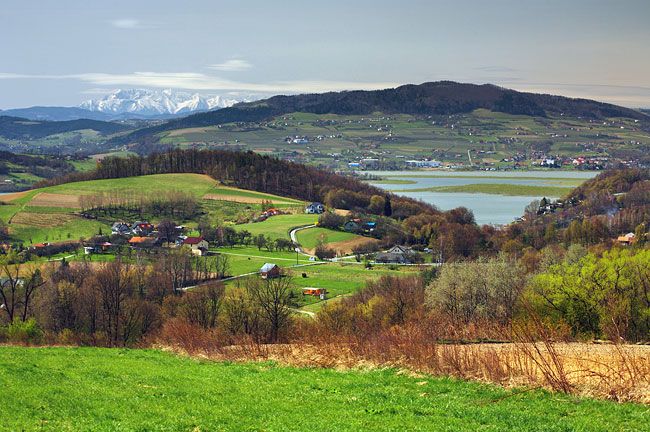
x: 138, y: 228
x: 582, y: 162
x: 142, y: 235
x: 297, y: 140
x: 423, y: 163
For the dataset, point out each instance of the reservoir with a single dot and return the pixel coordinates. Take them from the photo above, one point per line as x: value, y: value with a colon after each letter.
x: 487, y: 208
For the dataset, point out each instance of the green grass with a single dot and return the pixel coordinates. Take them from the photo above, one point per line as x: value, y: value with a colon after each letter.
x: 76, y: 228
x: 196, y: 184
x: 85, y: 164
x: 83, y: 389
x: 253, y: 251
x: 309, y: 238
x: 491, y: 136
x: 241, y: 193
x: 341, y: 279
x: 497, y: 189
x: 279, y: 226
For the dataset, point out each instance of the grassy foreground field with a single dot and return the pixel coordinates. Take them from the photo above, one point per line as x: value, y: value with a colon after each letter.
x: 78, y: 389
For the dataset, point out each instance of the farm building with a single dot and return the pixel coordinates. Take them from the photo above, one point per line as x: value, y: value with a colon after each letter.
x: 396, y: 255
x: 269, y: 270
x: 626, y: 239
x: 120, y: 228
x: 142, y: 242
x: 142, y: 228
x: 199, y: 245
x: 316, y: 292
x: 315, y: 208
x: 352, y: 225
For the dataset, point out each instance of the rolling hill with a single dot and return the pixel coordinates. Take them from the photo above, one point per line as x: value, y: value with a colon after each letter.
x: 433, y: 98
x: 20, y: 128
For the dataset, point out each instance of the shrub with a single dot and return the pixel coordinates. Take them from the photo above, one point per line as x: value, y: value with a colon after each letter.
x: 27, y: 332
x: 323, y: 252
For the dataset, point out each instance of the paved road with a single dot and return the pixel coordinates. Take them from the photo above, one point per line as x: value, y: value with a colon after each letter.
x: 292, y: 235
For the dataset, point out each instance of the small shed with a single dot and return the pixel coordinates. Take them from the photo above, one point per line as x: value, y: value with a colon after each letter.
x: 316, y: 292
x: 627, y: 239
x: 269, y: 271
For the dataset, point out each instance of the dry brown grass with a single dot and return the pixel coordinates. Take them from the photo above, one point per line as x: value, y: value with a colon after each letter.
x: 240, y: 199
x: 345, y: 247
x: 615, y: 372
x: 45, y: 199
x: 42, y: 220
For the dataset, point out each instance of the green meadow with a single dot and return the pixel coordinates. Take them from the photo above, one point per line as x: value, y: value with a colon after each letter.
x: 95, y: 389
x: 279, y: 226
x: 309, y: 238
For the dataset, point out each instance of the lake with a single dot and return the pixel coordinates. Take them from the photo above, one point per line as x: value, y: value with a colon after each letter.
x: 487, y: 208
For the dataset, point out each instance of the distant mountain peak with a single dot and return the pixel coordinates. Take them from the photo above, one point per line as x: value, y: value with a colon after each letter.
x: 149, y: 102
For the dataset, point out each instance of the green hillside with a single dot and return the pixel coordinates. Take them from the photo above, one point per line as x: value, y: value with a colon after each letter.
x: 82, y: 389
x: 53, y: 213
x: 490, y: 137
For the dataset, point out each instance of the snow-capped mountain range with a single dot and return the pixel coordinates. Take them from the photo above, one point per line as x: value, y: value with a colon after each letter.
x: 123, y: 104
x: 145, y: 102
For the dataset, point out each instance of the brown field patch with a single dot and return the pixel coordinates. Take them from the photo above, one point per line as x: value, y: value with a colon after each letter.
x: 242, y: 199
x: 45, y: 199
x: 345, y: 247
x: 342, y: 212
x: 180, y: 132
x: 12, y: 196
x: 42, y: 220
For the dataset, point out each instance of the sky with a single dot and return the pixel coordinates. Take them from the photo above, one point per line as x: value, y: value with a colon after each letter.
x: 60, y: 53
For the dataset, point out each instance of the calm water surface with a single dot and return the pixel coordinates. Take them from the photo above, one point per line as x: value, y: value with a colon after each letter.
x: 487, y: 208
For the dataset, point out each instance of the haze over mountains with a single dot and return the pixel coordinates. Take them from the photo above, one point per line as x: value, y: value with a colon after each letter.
x: 132, y: 104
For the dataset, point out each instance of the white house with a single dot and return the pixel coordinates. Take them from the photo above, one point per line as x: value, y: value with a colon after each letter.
x: 199, y: 245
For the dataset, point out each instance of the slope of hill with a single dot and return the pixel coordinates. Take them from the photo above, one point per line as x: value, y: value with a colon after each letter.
x: 53, y: 213
x: 434, y: 98
x: 153, y: 390
x: 52, y: 113
x: 20, y: 128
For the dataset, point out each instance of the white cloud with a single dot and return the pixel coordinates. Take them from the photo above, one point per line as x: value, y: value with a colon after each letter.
x: 126, y: 23
x: 232, y: 65
x: 203, y: 82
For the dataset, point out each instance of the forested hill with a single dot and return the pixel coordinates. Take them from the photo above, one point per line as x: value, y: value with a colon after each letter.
x: 256, y: 172
x: 434, y: 98
x: 20, y: 128
x: 613, y: 203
